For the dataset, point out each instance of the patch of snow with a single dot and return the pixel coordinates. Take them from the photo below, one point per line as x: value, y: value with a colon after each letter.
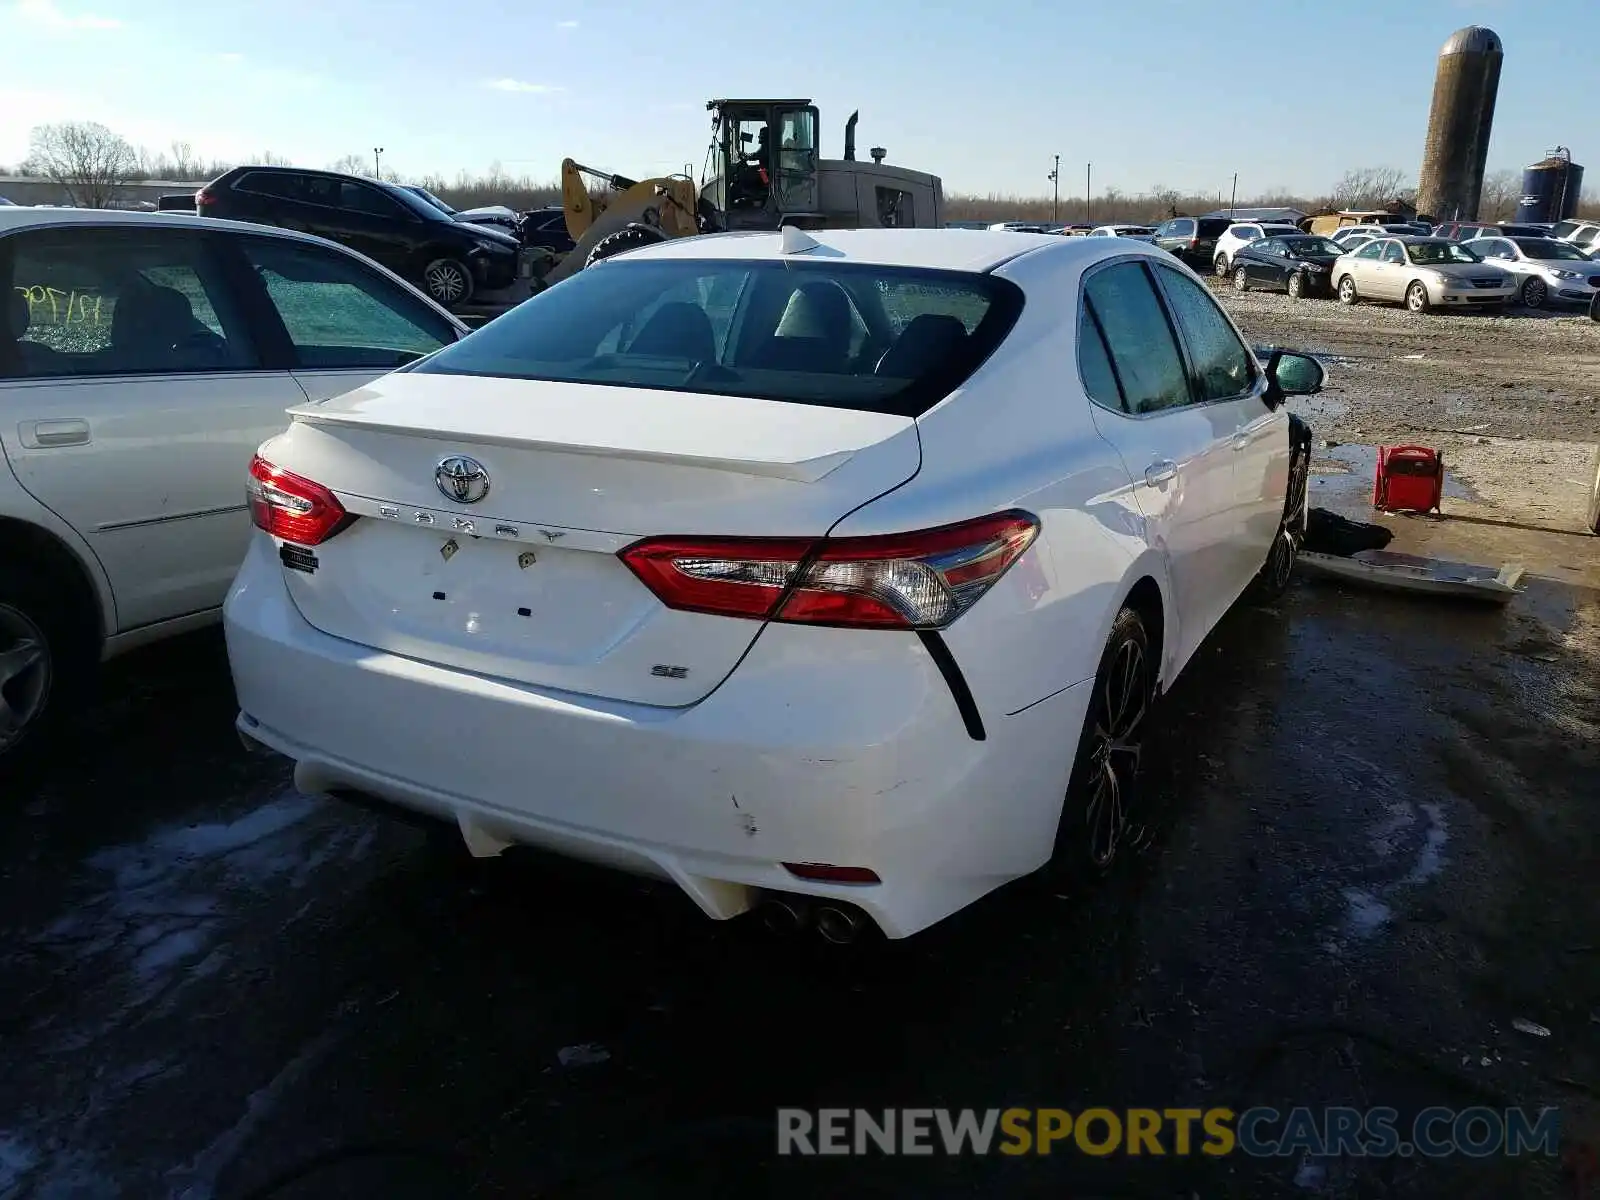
x: 1365, y: 914
x: 1430, y: 858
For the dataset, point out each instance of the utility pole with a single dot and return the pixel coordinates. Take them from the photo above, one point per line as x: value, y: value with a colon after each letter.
x: 377, y: 171
x: 1055, y: 179
x: 1088, y: 191
x: 1233, y: 196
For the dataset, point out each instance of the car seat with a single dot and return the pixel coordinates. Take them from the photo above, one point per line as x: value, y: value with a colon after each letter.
x: 154, y: 328
x: 922, y: 345
x: 18, y: 355
x: 677, y: 330
x: 813, y: 334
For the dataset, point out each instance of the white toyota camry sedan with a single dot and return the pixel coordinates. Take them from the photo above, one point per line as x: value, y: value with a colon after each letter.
x: 836, y: 572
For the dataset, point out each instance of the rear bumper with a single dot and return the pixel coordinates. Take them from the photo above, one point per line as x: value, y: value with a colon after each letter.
x: 827, y: 746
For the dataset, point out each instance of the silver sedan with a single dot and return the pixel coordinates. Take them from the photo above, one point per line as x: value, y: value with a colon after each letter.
x: 1422, y: 273
x: 1548, y: 271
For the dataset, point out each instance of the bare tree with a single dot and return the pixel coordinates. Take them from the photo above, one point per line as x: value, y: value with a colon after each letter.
x: 88, y: 161
x: 350, y: 164
x: 183, y: 163
x: 1164, y: 199
x: 1369, y: 187
x: 269, y: 159
x: 1501, y: 191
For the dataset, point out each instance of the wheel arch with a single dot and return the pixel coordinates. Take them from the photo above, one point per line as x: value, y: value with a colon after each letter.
x: 1145, y: 597
x: 85, y: 589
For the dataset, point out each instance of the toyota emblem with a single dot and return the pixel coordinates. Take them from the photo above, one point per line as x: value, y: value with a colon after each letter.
x: 462, y: 479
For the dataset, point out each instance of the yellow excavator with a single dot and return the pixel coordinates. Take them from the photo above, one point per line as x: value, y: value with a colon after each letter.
x: 764, y: 170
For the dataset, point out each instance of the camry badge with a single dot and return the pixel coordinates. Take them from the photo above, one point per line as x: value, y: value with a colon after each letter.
x: 462, y: 479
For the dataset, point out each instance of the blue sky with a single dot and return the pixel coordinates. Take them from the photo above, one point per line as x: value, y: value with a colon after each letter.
x: 1159, y: 92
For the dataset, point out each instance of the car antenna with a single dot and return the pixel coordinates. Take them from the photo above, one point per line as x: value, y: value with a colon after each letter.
x: 797, y: 241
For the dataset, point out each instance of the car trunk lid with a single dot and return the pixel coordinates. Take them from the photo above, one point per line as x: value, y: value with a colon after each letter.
x: 522, y: 582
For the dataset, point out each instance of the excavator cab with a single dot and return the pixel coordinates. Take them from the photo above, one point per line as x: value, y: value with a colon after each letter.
x: 764, y: 156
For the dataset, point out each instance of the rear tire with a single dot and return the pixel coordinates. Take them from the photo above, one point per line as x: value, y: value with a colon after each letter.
x: 1347, y: 291
x: 1103, y: 787
x: 46, y: 657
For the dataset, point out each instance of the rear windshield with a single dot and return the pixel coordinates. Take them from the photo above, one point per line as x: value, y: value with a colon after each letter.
x: 1214, y: 226
x: 843, y: 335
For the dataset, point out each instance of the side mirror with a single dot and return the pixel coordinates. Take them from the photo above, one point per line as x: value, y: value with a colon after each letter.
x: 1290, y: 374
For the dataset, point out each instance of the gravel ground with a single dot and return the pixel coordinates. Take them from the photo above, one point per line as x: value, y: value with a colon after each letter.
x: 1513, y: 400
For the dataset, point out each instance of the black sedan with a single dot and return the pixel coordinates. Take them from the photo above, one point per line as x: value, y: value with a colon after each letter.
x: 1300, y: 264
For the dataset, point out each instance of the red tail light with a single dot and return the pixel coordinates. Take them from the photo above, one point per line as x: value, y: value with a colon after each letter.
x: 292, y: 508
x: 202, y: 198
x: 922, y: 580
x: 828, y: 873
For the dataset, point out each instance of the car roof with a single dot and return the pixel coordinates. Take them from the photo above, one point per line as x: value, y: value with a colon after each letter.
x: 41, y: 218
x: 13, y: 219
x: 973, y: 250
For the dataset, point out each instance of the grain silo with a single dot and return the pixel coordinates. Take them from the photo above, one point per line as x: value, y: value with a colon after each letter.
x: 1451, y: 182
x: 1551, y: 188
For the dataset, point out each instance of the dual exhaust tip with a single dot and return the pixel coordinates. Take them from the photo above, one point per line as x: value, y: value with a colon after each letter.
x: 834, y: 922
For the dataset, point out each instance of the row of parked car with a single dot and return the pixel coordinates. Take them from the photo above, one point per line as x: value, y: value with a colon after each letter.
x: 1453, y: 265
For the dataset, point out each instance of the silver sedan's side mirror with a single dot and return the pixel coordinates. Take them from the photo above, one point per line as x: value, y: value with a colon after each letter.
x: 1299, y: 374
x: 1290, y: 374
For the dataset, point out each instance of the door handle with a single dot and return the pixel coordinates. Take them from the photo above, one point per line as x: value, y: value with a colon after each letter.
x: 1162, y: 472
x: 1242, y: 439
x: 42, y: 435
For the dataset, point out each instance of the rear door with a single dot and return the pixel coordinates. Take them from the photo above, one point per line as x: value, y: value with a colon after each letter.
x: 1363, y: 268
x: 1390, y: 272
x: 1177, y: 452
x: 343, y: 324
x: 1262, y: 260
x: 136, y: 399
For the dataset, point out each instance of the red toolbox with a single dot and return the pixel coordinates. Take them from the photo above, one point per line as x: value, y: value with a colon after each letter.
x: 1408, y: 479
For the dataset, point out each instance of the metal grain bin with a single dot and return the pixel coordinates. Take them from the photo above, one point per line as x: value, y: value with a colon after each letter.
x: 1551, y: 188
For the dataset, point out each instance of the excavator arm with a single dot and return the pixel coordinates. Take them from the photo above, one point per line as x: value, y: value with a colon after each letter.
x: 667, y: 203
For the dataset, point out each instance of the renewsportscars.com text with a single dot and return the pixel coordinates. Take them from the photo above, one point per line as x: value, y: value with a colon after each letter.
x: 1259, y: 1132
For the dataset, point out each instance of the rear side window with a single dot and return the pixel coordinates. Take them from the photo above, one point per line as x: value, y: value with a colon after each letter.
x: 1094, y: 364
x: 1143, y: 351
x: 341, y: 314
x: 281, y: 184
x: 844, y: 335
x: 118, y: 301
x: 1182, y: 228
